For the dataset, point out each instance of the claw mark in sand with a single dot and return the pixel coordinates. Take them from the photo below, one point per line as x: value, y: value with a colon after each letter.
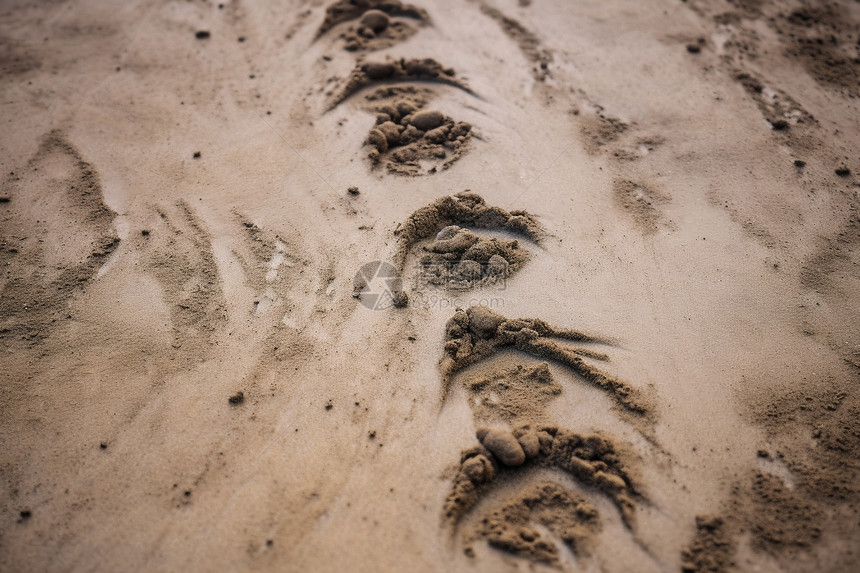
x: 270, y: 256
x: 411, y: 140
x: 56, y: 233
x: 181, y: 259
x: 271, y: 267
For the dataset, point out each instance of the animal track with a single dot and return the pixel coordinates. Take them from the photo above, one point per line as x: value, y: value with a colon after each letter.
x: 505, y: 456
x: 180, y: 257
x: 368, y: 11
x: 476, y: 334
x: 410, y: 140
x: 457, y: 257
x: 406, y: 138
x: 48, y: 263
x: 528, y: 43
x: 397, y: 71
x: 377, y: 27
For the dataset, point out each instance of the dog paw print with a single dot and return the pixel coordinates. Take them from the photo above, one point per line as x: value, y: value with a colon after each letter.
x: 516, y: 456
x: 455, y: 256
x: 368, y: 25
x: 407, y: 138
x: 478, y: 333
x: 410, y: 140
x: 372, y: 25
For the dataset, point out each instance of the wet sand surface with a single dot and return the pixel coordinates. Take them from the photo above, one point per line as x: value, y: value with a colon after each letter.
x: 481, y: 286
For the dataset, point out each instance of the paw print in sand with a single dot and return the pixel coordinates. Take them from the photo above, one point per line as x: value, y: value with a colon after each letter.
x: 519, y: 490
x: 409, y: 140
x: 513, y: 456
x: 408, y: 137
x: 478, y: 333
x: 455, y: 256
x: 372, y: 24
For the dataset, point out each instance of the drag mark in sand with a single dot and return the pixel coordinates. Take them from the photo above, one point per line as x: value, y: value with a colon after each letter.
x: 528, y: 43
x: 179, y: 254
x: 53, y: 242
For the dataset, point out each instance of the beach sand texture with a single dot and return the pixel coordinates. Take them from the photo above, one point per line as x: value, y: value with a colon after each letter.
x: 485, y: 285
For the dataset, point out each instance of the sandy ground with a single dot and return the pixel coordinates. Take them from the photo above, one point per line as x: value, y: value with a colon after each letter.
x: 198, y: 372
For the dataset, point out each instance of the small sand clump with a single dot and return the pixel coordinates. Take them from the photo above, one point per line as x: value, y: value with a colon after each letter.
x: 504, y: 446
x: 409, y: 141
